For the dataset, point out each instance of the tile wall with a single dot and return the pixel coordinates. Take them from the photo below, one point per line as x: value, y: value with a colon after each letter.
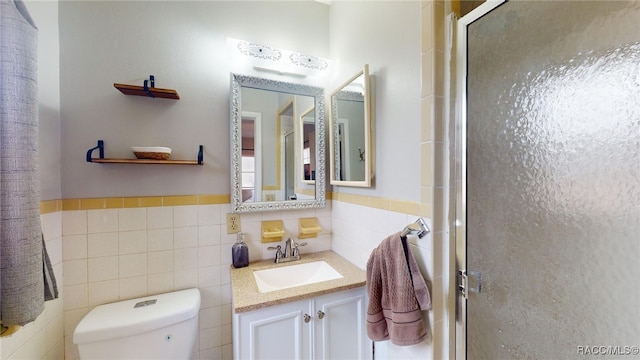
x: 125, y: 250
x: 42, y: 339
x: 119, y: 253
x: 435, y: 167
x: 358, y: 227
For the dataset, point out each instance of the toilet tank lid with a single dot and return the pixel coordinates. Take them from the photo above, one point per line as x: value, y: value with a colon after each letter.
x: 131, y: 317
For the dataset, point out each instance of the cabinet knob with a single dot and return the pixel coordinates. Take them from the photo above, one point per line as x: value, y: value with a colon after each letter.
x: 320, y: 314
x: 307, y: 318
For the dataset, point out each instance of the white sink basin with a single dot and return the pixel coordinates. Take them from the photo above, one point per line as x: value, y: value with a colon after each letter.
x: 285, y: 277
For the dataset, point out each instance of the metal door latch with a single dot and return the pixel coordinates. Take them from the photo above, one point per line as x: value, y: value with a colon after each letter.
x: 463, y: 282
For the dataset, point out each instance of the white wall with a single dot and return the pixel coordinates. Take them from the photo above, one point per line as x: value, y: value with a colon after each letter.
x: 184, y: 45
x: 385, y: 35
x: 45, y: 15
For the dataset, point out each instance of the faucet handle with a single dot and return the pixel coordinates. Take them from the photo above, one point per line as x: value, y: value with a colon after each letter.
x: 295, y: 251
x: 278, y: 250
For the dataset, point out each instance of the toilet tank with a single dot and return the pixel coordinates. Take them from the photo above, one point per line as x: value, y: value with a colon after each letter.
x: 162, y: 326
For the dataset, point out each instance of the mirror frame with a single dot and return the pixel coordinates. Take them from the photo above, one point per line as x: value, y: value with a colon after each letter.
x: 237, y: 82
x: 368, y: 132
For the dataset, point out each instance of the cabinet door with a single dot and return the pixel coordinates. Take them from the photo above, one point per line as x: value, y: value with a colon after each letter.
x: 277, y: 332
x: 340, y: 326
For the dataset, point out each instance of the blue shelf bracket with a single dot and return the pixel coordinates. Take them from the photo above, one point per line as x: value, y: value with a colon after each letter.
x: 200, y: 151
x: 152, y: 80
x: 100, y: 147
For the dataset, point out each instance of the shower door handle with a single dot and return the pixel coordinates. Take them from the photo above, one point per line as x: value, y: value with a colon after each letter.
x: 463, y: 283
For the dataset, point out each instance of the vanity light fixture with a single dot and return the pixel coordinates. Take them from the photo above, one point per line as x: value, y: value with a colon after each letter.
x: 266, y: 58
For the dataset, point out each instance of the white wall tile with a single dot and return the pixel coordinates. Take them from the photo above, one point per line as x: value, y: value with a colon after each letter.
x: 185, y: 216
x: 209, y: 317
x: 72, y: 319
x: 132, y: 265
x: 208, y: 235
x: 185, y: 279
x: 184, y: 237
x: 103, y: 268
x: 159, y: 239
x: 100, y: 221
x: 208, y: 255
x: 209, y: 215
x: 210, y: 338
x: 210, y: 296
x: 54, y: 249
x: 160, y: 217
x: 54, y: 333
x: 74, y: 222
x: 74, y: 247
x: 185, y: 258
x: 132, y: 219
x: 225, y: 254
x: 160, y: 262
x: 133, y: 287
x: 160, y: 283
x: 51, y: 225
x: 104, y: 292
x: 76, y: 297
x: 209, y: 276
x: 103, y: 244
x: 132, y: 242
x: 75, y: 272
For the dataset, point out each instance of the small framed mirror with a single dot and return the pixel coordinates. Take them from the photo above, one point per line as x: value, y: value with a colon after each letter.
x: 267, y: 153
x: 351, y: 137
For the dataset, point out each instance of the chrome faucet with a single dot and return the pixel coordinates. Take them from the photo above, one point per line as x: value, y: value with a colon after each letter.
x: 291, y: 251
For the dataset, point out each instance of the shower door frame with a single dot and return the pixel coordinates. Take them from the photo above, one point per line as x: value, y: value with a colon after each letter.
x: 460, y: 161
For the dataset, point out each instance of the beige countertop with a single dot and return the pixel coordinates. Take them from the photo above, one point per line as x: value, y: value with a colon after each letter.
x: 247, y: 298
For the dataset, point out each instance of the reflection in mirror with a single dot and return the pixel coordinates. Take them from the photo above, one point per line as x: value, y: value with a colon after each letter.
x: 307, y: 128
x: 266, y: 145
x: 351, y: 138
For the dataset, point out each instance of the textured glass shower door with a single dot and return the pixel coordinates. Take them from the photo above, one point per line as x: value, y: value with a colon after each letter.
x: 553, y: 180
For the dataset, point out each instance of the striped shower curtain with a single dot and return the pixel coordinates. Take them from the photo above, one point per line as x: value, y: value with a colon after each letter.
x: 21, y: 251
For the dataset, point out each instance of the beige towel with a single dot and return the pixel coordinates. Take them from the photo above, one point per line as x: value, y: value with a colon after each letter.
x: 397, y: 294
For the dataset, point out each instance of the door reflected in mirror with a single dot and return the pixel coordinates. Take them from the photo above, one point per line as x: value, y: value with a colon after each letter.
x: 351, y: 132
x: 307, y: 126
x: 272, y: 168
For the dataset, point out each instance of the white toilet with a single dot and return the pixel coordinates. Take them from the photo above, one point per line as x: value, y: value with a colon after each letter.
x: 163, y: 326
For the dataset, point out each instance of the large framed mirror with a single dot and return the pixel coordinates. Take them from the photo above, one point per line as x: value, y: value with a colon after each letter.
x: 351, y: 138
x: 268, y: 159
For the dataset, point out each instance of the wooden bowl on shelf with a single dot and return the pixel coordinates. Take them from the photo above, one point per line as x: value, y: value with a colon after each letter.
x: 151, y: 152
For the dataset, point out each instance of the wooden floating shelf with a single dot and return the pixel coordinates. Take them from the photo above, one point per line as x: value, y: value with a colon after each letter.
x: 144, y: 161
x: 103, y: 160
x: 147, y: 92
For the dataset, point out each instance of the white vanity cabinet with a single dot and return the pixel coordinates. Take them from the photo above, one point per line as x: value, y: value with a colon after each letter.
x: 325, y: 327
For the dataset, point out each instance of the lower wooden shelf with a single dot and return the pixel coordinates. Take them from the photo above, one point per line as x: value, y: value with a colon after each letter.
x: 144, y: 161
x: 103, y: 160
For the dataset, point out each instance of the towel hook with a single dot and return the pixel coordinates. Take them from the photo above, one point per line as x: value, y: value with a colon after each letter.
x: 420, y: 227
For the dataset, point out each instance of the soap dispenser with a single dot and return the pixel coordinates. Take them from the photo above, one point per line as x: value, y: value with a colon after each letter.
x: 240, y: 252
